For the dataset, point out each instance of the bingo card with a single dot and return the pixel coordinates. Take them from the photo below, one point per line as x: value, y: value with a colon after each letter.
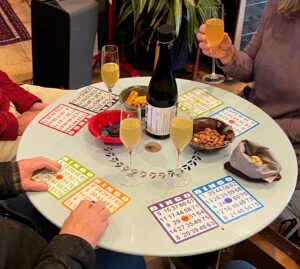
x: 227, y: 199
x: 97, y: 190
x: 182, y: 217
x: 71, y: 175
x: 239, y: 121
x: 94, y: 99
x: 66, y: 119
x: 201, y: 100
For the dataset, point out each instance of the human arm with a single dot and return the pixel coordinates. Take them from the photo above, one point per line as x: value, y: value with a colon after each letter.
x: 73, y: 247
x: 15, y: 177
x: 236, y: 63
x: 25, y: 119
x: 9, y: 129
x: 23, y: 100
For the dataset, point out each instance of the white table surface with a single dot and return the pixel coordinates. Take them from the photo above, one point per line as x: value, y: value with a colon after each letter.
x: 133, y: 229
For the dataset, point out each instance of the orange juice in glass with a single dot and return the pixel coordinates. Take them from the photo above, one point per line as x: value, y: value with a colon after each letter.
x: 130, y: 135
x: 110, y: 72
x: 214, y: 33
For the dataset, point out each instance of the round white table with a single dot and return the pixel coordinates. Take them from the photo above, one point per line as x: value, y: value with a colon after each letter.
x: 132, y: 228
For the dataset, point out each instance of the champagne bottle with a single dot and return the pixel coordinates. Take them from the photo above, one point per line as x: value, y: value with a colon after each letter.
x: 162, y: 92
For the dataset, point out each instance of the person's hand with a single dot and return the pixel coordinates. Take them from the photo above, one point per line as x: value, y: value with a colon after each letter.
x: 224, y: 52
x: 24, y: 120
x: 28, y: 166
x: 89, y: 221
x: 37, y: 106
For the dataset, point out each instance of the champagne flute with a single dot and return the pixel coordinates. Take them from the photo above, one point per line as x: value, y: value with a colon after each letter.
x: 110, y: 71
x: 130, y: 135
x: 214, y: 33
x: 181, y: 132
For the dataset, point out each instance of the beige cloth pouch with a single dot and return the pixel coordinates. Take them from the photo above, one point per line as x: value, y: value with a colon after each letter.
x: 254, y: 162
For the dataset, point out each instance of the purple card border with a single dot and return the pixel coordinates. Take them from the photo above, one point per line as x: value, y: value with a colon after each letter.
x: 184, y: 198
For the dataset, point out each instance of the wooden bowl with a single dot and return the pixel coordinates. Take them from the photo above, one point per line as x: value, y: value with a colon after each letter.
x: 200, y: 124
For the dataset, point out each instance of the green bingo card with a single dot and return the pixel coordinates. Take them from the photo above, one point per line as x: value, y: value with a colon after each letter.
x: 71, y: 175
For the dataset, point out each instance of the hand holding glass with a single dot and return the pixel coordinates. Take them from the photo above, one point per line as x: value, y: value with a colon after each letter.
x: 181, y: 133
x: 214, y: 34
x: 130, y: 135
x: 110, y: 72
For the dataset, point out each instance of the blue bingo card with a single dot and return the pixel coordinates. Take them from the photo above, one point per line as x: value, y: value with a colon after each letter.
x: 227, y: 199
x: 182, y: 217
x: 237, y: 120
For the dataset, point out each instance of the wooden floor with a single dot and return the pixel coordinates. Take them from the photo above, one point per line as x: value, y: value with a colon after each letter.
x: 16, y: 61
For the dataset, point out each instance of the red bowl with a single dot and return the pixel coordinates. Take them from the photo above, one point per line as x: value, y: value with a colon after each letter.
x: 103, y: 120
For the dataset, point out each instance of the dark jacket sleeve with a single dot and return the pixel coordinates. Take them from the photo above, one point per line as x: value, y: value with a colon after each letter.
x: 67, y: 251
x: 63, y: 251
x: 22, y: 99
x: 10, y: 181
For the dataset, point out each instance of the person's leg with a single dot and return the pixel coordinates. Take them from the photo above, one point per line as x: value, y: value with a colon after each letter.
x: 106, y: 259
x: 238, y: 264
x: 21, y: 206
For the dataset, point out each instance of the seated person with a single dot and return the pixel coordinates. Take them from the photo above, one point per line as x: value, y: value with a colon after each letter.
x: 18, y: 107
x: 272, y: 63
x: 22, y: 247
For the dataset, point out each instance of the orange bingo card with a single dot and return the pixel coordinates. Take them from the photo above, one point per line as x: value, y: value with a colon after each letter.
x: 96, y: 190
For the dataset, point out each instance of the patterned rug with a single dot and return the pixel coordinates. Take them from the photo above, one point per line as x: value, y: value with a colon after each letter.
x: 11, y: 29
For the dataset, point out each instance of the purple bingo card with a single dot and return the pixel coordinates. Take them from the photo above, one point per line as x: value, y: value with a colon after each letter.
x: 66, y: 119
x: 237, y: 120
x: 227, y: 199
x: 182, y: 217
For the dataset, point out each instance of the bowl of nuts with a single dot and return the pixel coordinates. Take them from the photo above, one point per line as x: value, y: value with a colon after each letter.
x: 211, y: 135
x: 134, y: 96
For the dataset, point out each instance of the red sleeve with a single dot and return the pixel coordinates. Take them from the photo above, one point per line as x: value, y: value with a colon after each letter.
x: 22, y: 99
x: 9, y: 127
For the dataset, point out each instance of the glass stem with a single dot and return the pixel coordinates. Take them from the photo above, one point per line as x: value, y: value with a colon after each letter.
x: 110, y: 97
x: 130, y: 173
x: 213, y: 66
x: 177, y: 171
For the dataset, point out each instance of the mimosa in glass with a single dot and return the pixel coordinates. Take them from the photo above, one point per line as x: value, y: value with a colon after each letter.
x: 130, y: 135
x: 214, y: 33
x: 110, y: 72
x: 181, y: 133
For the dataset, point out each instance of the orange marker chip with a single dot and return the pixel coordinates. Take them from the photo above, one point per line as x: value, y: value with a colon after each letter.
x: 185, y: 218
x: 59, y: 177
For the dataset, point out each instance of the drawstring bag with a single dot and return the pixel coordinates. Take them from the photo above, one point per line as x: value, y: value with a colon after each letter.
x: 253, y: 162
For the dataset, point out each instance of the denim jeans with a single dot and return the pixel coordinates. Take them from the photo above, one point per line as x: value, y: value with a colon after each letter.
x: 238, y: 264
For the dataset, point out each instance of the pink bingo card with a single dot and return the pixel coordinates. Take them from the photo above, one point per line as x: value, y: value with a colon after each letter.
x: 66, y: 119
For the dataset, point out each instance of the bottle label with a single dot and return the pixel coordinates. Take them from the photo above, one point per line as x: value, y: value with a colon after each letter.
x: 159, y: 119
